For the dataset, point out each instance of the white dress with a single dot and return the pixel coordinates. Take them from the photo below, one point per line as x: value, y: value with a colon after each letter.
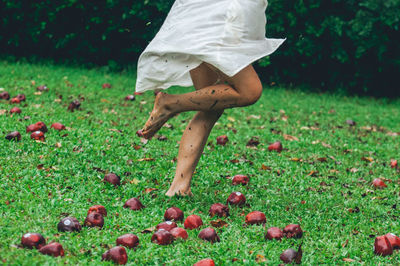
x: 228, y: 34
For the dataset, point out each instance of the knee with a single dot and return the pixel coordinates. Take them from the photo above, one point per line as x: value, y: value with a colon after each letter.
x: 251, y: 93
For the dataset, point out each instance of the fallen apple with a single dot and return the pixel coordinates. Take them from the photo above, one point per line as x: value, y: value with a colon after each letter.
x: 222, y: 140
x: 15, y: 110
x: 256, y: 217
x: 162, y: 237
x: 38, y: 126
x: 130, y: 98
x: 33, y: 240
x: 74, y: 105
x: 21, y: 97
x: 53, y: 249
x: 276, y: 146
x: 15, y: 135
x: 173, y: 214
x: 128, y: 240
x: 205, y: 262
x: 106, y: 86
x: 393, y: 163
x: 69, y: 224
x: 378, y: 183
x: 274, y: 233
x: 4, y: 95
x: 240, y: 180
x: 192, y: 222
x: 394, y: 240
x: 133, y: 204
x: 42, y: 88
x: 382, y: 246
x: 293, y: 230
x: 116, y: 254
x: 209, y: 234
x: 112, y: 179
x: 288, y: 256
x: 15, y: 100
x: 58, y: 126
x: 168, y: 225
x: 38, y: 135
x: 219, y: 209
x: 178, y: 232
x: 98, y: 208
x: 236, y: 198
x: 94, y: 219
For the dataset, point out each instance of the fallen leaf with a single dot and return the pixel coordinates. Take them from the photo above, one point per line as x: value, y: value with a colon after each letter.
x: 149, y: 230
x: 3, y: 111
x: 231, y: 119
x: 348, y: 260
x: 260, y: 258
x: 218, y: 223
x: 264, y: 167
x: 148, y: 190
x: 290, y: 138
x: 145, y: 160
x: 367, y: 159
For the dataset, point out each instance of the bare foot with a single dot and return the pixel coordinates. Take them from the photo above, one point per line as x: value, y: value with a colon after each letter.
x: 179, y: 190
x: 158, y: 117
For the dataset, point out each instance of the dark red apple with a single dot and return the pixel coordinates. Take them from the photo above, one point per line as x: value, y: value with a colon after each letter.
x: 393, y: 163
x: 69, y: 224
x: 288, y: 256
x: 219, y: 209
x: 4, y: 95
x: 74, y: 105
x: 42, y: 88
x: 236, y: 198
x: 38, y: 126
x: 133, y: 204
x: 15, y: 135
x: 53, y: 249
x: 378, y: 183
x: 112, y: 179
x: 130, y: 98
x: 240, y: 179
x: 162, y: 237
x: 173, y: 214
x: 382, y: 246
x: 178, y: 232
x: 15, y: 100
x: 256, y: 217
x: 276, y: 146
x: 33, y: 240
x: 94, y: 219
x: 274, y: 233
x: 168, y: 225
x: 222, y: 140
x: 128, y: 240
x: 192, y: 222
x: 106, y: 86
x: 205, y: 262
x: 209, y: 234
x: 293, y: 230
x: 394, y: 240
x: 21, y: 97
x: 98, y: 208
x: 58, y: 126
x: 38, y: 135
x: 15, y: 110
x: 117, y: 255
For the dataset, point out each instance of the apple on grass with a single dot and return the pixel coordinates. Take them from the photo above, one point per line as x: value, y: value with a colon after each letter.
x: 168, y: 225
x: 15, y: 135
x: 69, y: 224
x: 209, y: 234
x: 192, y: 222
x: 205, y: 262
x: 222, y: 140
x: 276, y: 146
x: 219, y: 209
x: 94, y: 219
x: 256, y: 217
x: 53, y: 249
x: 98, y: 208
x: 38, y: 135
x: 382, y: 246
x: 117, y: 255
x: 274, y: 233
x: 240, y: 180
x: 293, y: 231
x: 15, y: 110
x: 133, y: 204
x: 378, y: 183
x: 236, y: 198
x: 179, y: 232
x: 128, y: 240
x: 58, y: 126
x: 173, y: 214
x: 33, y: 240
x: 112, y: 179
x: 162, y: 237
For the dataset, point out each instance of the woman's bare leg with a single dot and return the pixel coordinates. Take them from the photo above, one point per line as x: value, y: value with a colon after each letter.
x: 195, y: 136
x: 245, y: 89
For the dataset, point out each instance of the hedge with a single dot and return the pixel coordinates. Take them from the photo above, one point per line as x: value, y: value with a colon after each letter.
x: 331, y: 45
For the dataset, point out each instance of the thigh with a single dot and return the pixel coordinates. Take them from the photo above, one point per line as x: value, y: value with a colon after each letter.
x: 203, y: 76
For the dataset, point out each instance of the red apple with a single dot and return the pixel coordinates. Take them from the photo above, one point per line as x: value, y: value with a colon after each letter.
x: 5, y: 95
x: 112, y: 179
x: 393, y: 163
x: 106, y: 86
x: 21, y: 97
x: 128, y: 240
x: 178, y: 232
x: 69, y: 224
x: 15, y: 110
x: 168, y: 225
x: 15, y: 135
x: 173, y: 214
x: 205, y: 262
x: 256, y: 217
x: 240, y: 179
x: 378, y: 183
x: 133, y: 204
x: 38, y: 135
x: 236, y: 198
x: 53, y: 249
x: 288, y: 255
x: 276, y: 146
x: 192, y: 222
x: 117, y: 255
x: 98, y: 208
x: 394, y: 240
x: 74, y: 105
x: 162, y: 237
x: 15, y: 100
x: 42, y: 88
x: 274, y: 233
x: 222, y: 140
x: 293, y: 230
x: 94, y: 219
x: 33, y: 240
x: 219, y: 209
x: 38, y: 126
x: 58, y: 126
x: 130, y: 98
x: 382, y: 246
x: 209, y: 234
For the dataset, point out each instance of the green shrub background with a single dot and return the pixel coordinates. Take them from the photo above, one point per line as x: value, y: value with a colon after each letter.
x: 350, y: 45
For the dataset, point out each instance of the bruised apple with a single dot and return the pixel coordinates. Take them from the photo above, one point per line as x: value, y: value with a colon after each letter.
x: 116, y: 254
x: 168, y: 225
x: 219, y: 209
x: 133, y: 204
x: 33, y: 240
x: 236, y: 198
x: 382, y: 246
x: 128, y: 240
x: 274, y: 233
x: 112, y: 179
x: 162, y: 237
x: 69, y: 224
x: 173, y: 214
x: 98, y: 208
x: 293, y: 230
x: 15, y: 135
x: 53, y: 249
x: 240, y: 180
x: 209, y: 234
x: 192, y: 222
x: 94, y: 219
x: 179, y: 232
x: 394, y: 240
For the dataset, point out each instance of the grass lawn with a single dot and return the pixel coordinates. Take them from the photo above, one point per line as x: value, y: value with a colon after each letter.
x: 321, y: 180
